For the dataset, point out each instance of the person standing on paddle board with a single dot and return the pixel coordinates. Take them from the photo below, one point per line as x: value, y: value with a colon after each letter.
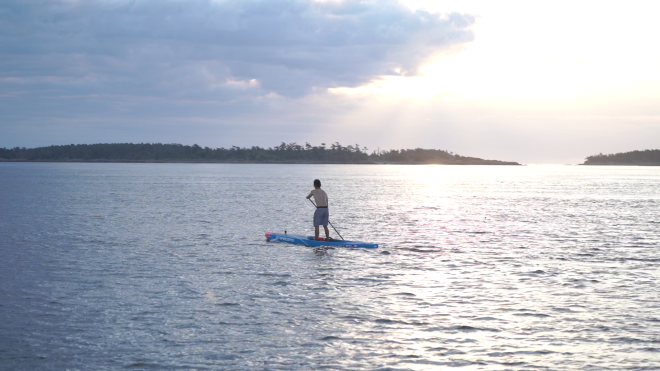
x: 321, y: 214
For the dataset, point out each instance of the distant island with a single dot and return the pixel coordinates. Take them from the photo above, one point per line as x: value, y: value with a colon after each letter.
x: 649, y: 157
x: 284, y: 153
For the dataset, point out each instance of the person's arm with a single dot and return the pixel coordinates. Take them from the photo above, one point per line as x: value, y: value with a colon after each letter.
x: 310, y: 194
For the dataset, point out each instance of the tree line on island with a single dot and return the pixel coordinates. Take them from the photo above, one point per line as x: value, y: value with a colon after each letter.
x: 649, y: 157
x: 284, y: 153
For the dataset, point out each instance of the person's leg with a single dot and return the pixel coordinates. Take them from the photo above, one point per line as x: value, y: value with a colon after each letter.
x: 324, y: 223
x: 317, y: 223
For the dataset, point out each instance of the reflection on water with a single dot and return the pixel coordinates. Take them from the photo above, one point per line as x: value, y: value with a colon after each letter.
x: 162, y: 266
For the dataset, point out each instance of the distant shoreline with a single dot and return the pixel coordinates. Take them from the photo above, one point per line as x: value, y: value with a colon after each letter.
x: 291, y: 153
x: 496, y: 163
x: 615, y: 164
x: 649, y: 157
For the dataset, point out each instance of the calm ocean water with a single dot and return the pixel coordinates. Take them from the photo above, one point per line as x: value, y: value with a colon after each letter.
x: 165, y: 266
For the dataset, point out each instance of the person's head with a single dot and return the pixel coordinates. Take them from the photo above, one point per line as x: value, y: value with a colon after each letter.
x: 317, y: 183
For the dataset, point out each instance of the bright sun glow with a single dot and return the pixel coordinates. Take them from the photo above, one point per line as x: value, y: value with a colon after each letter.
x: 540, y: 50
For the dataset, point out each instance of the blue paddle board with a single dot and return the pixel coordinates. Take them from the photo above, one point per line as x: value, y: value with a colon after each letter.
x: 311, y: 242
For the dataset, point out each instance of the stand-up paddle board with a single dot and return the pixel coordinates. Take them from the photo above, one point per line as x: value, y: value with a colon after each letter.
x: 311, y: 242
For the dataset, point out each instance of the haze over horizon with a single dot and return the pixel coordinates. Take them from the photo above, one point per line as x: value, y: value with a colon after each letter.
x: 514, y: 81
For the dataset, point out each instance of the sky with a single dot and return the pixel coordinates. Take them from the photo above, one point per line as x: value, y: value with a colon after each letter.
x: 533, y: 82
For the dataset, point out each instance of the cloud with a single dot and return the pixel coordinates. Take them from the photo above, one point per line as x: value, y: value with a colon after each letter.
x: 219, y: 50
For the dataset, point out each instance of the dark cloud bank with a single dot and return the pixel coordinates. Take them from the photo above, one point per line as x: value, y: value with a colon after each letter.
x: 71, y: 59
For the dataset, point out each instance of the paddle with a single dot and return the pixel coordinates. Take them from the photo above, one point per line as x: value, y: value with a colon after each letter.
x: 333, y: 227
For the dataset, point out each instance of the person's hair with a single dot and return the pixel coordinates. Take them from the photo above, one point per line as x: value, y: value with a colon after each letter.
x: 317, y: 183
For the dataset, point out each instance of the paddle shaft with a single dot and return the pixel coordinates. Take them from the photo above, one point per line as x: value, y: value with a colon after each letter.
x: 333, y: 227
